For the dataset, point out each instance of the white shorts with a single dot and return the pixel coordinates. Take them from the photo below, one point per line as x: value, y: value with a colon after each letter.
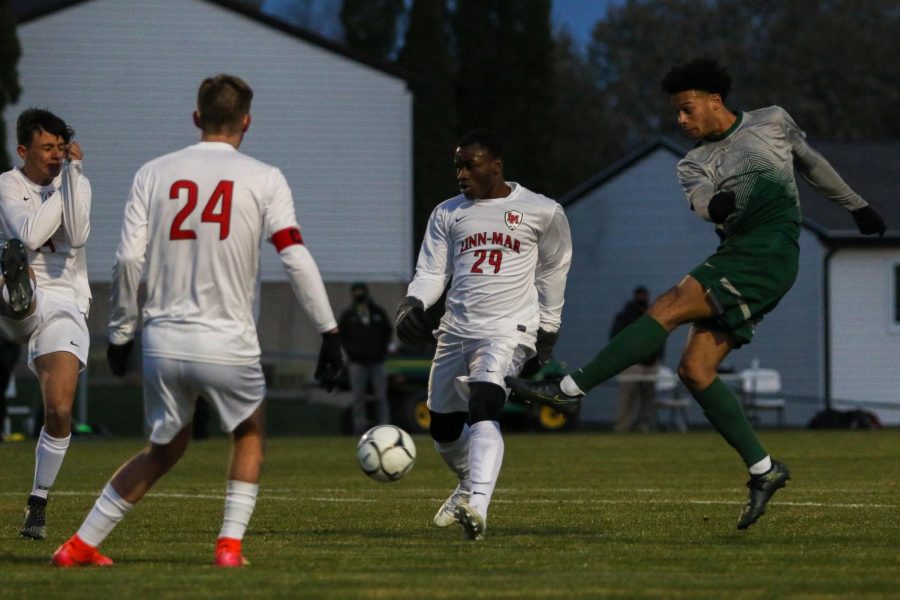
x: 171, y: 388
x: 460, y: 361
x: 55, y: 326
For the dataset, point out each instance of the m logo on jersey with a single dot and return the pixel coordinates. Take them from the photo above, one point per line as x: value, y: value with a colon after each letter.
x: 513, y: 219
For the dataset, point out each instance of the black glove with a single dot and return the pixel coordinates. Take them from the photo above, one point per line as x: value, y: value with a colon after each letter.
x: 331, y: 361
x: 868, y: 221
x: 412, y: 325
x: 721, y: 205
x: 117, y: 356
x: 546, y: 340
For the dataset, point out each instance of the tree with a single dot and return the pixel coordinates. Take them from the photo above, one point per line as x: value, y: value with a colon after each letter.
x: 505, y: 80
x: 9, y: 75
x: 586, y: 137
x: 425, y: 56
x: 825, y: 61
x: 370, y: 26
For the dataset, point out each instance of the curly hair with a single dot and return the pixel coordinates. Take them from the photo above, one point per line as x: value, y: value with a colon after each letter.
x: 704, y: 74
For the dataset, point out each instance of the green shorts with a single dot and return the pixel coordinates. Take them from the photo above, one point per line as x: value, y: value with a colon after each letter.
x: 746, y: 282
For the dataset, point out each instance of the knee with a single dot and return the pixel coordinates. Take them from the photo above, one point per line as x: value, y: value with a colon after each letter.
x: 486, y: 400
x: 695, y: 375
x: 446, y: 428
x: 57, y: 416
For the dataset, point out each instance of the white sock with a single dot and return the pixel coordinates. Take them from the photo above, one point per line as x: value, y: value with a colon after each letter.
x: 485, y: 458
x: 762, y: 466
x: 569, y: 387
x: 108, y: 510
x: 48, y: 458
x: 240, y: 500
x: 456, y: 455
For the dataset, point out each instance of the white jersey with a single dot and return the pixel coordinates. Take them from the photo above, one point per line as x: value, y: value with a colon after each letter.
x: 508, y: 258
x: 53, y: 221
x: 198, y: 217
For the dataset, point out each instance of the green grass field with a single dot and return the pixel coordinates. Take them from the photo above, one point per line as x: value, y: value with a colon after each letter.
x: 574, y: 516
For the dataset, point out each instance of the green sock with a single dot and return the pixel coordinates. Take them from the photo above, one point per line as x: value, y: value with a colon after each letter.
x: 723, y: 409
x: 636, y: 342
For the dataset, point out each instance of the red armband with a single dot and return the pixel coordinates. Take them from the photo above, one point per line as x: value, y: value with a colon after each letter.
x: 286, y: 237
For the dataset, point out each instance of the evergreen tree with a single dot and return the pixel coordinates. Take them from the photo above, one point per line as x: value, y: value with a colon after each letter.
x: 505, y: 80
x: 426, y: 57
x: 370, y: 26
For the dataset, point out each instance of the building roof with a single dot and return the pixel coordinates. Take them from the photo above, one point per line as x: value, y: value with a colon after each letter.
x: 29, y: 10
x: 871, y: 168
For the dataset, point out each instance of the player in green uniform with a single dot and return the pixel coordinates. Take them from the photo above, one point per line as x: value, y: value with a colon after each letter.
x: 740, y: 176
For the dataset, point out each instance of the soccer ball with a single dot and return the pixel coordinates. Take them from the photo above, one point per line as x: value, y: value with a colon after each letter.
x: 386, y: 453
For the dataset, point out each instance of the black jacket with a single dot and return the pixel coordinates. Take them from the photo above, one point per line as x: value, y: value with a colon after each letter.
x: 365, y: 342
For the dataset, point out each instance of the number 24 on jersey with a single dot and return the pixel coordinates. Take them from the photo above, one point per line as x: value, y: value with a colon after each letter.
x: 216, y: 210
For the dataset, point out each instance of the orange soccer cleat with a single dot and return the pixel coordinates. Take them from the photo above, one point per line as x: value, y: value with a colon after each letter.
x: 228, y: 553
x: 77, y: 553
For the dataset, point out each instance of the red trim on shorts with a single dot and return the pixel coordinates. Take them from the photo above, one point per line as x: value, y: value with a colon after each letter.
x: 287, y: 237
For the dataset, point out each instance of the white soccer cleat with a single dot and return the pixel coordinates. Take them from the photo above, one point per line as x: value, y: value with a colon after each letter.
x: 446, y: 514
x: 472, y: 523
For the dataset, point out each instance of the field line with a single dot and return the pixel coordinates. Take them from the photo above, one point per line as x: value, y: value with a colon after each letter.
x: 406, y: 498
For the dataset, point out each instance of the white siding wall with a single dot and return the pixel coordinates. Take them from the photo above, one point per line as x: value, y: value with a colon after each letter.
x: 124, y: 74
x: 865, y: 345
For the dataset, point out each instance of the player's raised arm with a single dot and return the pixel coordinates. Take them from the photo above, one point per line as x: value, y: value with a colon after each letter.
x: 76, y: 198
x: 818, y: 172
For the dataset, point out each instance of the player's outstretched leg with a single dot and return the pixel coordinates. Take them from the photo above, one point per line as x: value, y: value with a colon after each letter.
x: 75, y: 552
x: 19, y: 292
x: 546, y: 392
x: 762, y: 487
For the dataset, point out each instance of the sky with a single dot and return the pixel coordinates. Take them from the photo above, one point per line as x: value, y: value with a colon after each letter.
x: 578, y: 16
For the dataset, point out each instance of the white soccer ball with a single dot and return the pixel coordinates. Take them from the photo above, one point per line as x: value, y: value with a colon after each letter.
x: 386, y: 453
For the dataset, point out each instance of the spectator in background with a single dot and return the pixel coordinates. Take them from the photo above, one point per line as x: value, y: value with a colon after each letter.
x: 365, y: 332
x: 636, y: 411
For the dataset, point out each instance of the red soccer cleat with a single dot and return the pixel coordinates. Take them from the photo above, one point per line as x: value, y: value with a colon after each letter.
x: 77, y: 553
x: 228, y: 553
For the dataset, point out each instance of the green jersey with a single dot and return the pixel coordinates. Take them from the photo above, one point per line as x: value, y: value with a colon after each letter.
x: 755, y: 159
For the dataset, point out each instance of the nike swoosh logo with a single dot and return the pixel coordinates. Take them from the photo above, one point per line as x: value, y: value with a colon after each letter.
x: 74, y: 344
x: 479, y: 494
x: 458, y: 219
